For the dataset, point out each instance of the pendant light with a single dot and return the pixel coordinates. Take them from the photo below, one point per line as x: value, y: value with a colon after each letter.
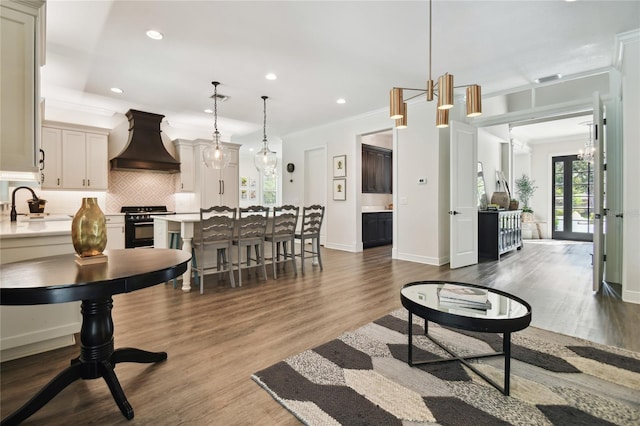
x: 443, y: 90
x: 215, y: 155
x: 265, y: 160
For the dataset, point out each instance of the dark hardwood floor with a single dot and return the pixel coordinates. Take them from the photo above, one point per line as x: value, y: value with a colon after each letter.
x: 217, y: 340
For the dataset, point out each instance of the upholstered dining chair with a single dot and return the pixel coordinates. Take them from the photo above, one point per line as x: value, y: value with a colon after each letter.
x: 216, y: 233
x: 250, y: 230
x: 282, y: 232
x: 312, y: 217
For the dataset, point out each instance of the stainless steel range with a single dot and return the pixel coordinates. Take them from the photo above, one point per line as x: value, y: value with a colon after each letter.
x: 138, y: 224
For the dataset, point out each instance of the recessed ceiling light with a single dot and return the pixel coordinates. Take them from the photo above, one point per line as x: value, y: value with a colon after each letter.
x: 250, y: 149
x: 117, y: 90
x: 341, y: 101
x: 208, y: 111
x: 155, y: 35
x: 271, y: 76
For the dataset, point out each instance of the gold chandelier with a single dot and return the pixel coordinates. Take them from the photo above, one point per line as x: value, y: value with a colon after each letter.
x: 443, y: 90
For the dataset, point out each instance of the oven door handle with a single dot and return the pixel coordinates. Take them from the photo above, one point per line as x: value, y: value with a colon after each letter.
x: 142, y: 223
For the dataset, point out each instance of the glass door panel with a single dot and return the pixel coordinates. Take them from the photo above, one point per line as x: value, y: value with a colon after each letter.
x: 573, y: 199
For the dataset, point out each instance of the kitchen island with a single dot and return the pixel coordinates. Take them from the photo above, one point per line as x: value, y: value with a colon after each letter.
x: 26, y: 330
x: 183, y: 222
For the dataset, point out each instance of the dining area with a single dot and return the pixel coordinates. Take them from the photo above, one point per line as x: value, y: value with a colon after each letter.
x: 232, y: 242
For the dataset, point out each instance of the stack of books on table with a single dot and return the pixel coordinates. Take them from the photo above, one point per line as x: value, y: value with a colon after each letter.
x: 464, y: 297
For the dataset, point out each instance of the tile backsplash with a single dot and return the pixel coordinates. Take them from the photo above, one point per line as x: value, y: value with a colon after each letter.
x: 140, y: 189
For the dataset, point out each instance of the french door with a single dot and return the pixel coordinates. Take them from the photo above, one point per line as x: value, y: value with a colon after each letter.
x: 573, y: 199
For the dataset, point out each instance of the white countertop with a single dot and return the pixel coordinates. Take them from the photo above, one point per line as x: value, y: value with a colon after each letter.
x: 375, y: 209
x: 34, y: 228
x: 179, y: 217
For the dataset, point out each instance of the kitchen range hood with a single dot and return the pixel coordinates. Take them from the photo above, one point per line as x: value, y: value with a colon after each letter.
x: 145, y: 150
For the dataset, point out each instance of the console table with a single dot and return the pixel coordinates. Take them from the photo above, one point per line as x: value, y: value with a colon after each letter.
x: 59, y: 279
x: 507, y: 314
x: 499, y: 232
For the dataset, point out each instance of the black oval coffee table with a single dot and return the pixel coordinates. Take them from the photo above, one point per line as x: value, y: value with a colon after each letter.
x: 505, y: 313
x: 59, y: 279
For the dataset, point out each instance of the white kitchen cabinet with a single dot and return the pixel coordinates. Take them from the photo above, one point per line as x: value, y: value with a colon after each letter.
x: 21, y: 43
x: 52, y: 153
x: 26, y: 330
x: 185, y: 154
x: 218, y: 187
x: 84, y: 160
x: 75, y: 157
x: 115, y: 231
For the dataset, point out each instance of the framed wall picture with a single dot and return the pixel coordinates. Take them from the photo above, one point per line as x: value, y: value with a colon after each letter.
x: 244, y: 181
x: 340, y: 189
x: 339, y: 166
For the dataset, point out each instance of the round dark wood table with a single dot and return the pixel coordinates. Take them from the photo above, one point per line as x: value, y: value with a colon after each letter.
x: 59, y: 279
x: 502, y: 313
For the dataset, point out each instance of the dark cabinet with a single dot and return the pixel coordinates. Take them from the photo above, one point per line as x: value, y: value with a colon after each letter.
x: 376, y: 169
x: 499, y: 232
x: 377, y: 229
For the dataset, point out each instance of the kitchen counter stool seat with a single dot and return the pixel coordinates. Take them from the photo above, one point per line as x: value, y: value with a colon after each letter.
x: 283, y: 229
x: 251, y: 228
x: 216, y: 233
x: 312, y: 217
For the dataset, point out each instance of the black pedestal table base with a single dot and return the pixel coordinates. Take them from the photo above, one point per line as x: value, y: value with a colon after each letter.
x: 97, y: 359
x: 506, y: 352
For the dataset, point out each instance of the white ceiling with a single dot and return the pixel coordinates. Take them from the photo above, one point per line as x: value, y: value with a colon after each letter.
x: 320, y: 50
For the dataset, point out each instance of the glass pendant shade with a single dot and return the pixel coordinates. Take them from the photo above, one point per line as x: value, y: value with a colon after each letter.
x: 215, y: 155
x: 395, y: 103
x: 265, y: 160
x: 401, y: 123
x: 474, y: 101
x: 445, y: 91
x: 442, y: 118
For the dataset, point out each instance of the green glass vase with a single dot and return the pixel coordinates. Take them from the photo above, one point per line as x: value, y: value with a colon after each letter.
x: 89, y: 229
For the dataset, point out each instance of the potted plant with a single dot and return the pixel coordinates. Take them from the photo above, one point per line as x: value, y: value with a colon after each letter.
x: 525, y: 187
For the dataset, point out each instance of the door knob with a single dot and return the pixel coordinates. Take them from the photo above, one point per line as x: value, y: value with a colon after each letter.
x: 453, y: 212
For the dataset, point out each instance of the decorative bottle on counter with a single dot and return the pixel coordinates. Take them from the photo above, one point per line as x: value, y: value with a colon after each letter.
x: 89, y: 229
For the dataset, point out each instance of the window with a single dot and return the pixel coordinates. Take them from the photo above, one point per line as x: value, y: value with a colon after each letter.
x: 269, y: 190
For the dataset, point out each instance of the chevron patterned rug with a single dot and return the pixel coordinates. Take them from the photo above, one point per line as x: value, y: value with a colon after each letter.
x: 362, y: 378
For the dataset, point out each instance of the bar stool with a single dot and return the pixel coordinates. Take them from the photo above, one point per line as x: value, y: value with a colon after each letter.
x: 250, y: 232
x: 283, y: 229
x: 312, y: 217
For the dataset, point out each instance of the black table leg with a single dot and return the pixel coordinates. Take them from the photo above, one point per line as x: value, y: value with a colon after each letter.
x: 410, y: 333
x: 51, y: 389
x: 97, y: 359
x: 506, y: 348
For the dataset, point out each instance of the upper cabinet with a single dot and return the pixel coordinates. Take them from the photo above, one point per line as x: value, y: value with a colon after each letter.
x: 21, y: 44
x: 376, y: 169
x: 218, y: 187
x: 74, y: 159
x: 185, y: 154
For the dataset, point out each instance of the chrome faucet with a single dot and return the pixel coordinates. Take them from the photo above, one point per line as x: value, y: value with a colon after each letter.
x: 14, y: 213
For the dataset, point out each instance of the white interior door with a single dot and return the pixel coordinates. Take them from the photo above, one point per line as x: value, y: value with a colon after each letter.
x: 463, y: 211
x: 315, y: 187
x: 598, y: 187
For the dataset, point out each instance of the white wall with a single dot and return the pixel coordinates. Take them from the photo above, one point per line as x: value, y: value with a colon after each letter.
x: 416, y: 207
x: 631, y: 171
x: 489, y: 155
x: 541, y: 168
